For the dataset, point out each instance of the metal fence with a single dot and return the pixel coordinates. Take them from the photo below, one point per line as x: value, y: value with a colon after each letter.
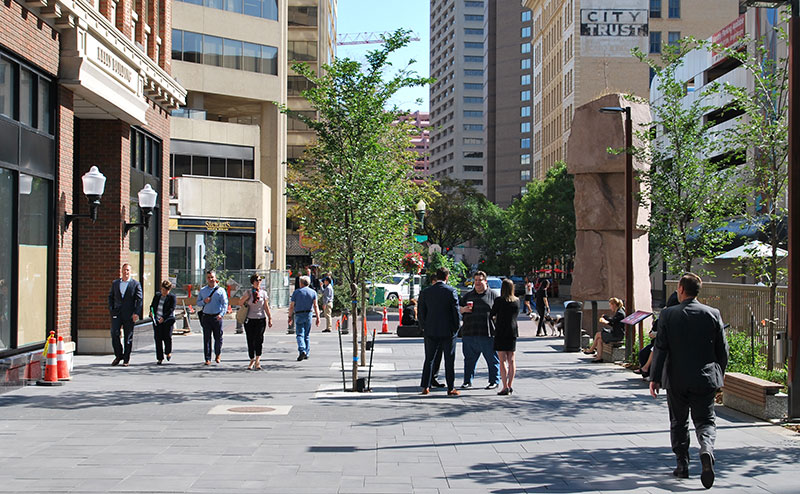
x: 276, y: 283
x: 736, y: 302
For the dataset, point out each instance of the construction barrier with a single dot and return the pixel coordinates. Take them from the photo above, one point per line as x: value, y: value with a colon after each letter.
x: 62, y: 364
x: 385, y: 323
x: 51, y: 370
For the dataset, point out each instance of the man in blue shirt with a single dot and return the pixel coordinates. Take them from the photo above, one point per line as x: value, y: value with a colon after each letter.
x: 213, y: 303
x: 303, y: 301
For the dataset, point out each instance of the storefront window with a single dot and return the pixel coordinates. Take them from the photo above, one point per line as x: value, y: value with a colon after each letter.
x: 26, y: 97
x: 6, y: 254
x: 6, y: 88
x: 34, y: 225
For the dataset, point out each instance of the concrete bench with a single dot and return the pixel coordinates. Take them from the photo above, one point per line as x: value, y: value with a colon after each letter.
x: 754, y: 396
x: 613, y: 352
x: 409, y: 331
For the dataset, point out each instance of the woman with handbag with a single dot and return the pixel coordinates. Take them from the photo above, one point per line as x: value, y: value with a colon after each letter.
x: 162, y: 310
x: 256, y: 302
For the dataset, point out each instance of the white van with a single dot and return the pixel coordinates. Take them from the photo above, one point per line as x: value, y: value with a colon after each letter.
x: 396, y: 286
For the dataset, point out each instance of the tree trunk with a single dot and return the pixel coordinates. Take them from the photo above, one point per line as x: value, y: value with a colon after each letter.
x: 354, y: 328
x: 773, y: 295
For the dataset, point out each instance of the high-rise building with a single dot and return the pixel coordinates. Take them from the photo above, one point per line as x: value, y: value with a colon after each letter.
x: 82, y: 85
x: 581, y: 50
x: 458, y: 113
x: 420, y: 141
x: 312, y: 39
x: 508, y: 100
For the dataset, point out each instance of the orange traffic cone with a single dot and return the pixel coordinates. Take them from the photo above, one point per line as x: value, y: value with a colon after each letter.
x: 63, y: 365
x: 399, y: 311
x: 385, y: 323
x: 51, y: 370
x: 339, y: 326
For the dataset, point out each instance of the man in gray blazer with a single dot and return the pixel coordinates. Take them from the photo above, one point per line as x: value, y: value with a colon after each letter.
x: 691, y: 354
x: 125, y: 302
x: 439, y: 319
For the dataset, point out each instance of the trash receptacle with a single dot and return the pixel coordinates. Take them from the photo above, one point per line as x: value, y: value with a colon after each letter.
x: 781, y: 344
x: 573, y: 317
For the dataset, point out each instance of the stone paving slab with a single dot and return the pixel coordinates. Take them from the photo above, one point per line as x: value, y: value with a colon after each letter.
x: 570, y: 427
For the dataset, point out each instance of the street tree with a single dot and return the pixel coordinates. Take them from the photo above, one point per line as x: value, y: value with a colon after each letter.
x: 763, y: 131
x: 691, y: 196
x: 544, y: 219
x: 452, y: 215
x: 353, y: 191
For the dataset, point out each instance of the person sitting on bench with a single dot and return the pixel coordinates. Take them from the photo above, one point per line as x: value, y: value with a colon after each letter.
x: 613, y: 334
x: 410, y: 314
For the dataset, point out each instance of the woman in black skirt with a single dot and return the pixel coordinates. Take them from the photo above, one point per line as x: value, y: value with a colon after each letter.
x: 504, y: 311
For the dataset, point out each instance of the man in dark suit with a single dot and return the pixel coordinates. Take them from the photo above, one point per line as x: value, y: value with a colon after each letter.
x: 691, y: 341
x: 125, y: 305
x: 439, y: 319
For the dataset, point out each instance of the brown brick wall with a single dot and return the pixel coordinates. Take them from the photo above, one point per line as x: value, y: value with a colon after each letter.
x: 28, y: 36
x: 64, y: 194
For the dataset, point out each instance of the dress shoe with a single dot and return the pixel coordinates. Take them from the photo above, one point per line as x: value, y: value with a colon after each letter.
x: 305, y: 356
x: 681, y: 472
x: 116, y: 361
x: 158, y: 362
x: 453, y: 392
x: 707, y: 476
x: 588, y: 352
x: 466, y: 385
x: 217, y: 360
x: 325, y: 331
x: 301, y: 356
x: 169, y: 356
x: 491, y: 386
x: 437, y: 384
x: 426, y: 391
x: 504, y: 392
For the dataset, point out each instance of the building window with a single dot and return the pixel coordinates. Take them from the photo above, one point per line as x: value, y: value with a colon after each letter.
x: 674, y: 9
x: 213, y: 166
x: 525, y: 111
x: 526, y: 32
x: 473, y: 168
x: 473, y: 99
x: 525, y: 127
x: 302, y: 51
x: 525, y: 48
x: 223, y: 52
x: 296, y: 84
x: 525, y: 80
x: 473, y: 113
x: 525, y: 63
x: 473, y: 30
x: 473, y: 17
x: 473, y: 3
x: 473, y: 44
x: 526, y: 16
x: 525, y: 95
x: 473, y: 72
x: 473, y: 58
x: 475, y: 127
x: 655, y: 41
x: 525, y: 159
x: 525, y: 175
x: 473, y: 154
x: 473, y: 86
x: 267, y: 9
x: 655, y: 9
x: 302, y: 16
x: 673, y: 37
x: 525, y: 143
x: 473, y: 140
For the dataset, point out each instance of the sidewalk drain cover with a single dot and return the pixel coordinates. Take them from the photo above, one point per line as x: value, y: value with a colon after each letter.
x: 251, y: 409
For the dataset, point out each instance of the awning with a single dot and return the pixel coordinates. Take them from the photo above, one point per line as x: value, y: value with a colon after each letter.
x: 755, y: 248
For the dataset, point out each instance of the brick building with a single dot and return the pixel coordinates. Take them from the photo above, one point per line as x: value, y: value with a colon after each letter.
x: 82, y: 84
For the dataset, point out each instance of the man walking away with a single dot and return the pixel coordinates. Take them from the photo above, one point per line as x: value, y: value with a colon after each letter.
x: 303, y: 301
x: 125, y: 301
x: 439, y: 320
x: 477, y: 333
x: 327, y: 302
x: 691, y: 341
x: 213, y: 302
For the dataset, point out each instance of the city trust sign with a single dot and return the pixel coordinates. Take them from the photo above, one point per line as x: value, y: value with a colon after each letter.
x: 614, y: 22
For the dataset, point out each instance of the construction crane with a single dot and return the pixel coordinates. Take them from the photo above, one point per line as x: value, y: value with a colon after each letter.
x: 367, y: 38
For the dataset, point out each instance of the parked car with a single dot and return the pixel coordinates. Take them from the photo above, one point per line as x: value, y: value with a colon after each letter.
x: 396, y: 286
x: 495, y: 283
x: 519, y: 285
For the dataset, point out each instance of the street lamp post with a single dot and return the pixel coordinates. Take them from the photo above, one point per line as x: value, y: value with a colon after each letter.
x: 420, y: 211
x: 628, y: 216
x: 793, y: 295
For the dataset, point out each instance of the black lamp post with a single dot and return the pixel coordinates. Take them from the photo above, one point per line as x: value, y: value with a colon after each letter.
x: 94, y: 184
x: 628, y: 216
x: 147, y: 202
x: 420, y: 211
x: 793, y: 297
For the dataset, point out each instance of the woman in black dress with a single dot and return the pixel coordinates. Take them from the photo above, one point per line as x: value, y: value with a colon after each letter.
x: 504, y: 311
x: 615, y: 333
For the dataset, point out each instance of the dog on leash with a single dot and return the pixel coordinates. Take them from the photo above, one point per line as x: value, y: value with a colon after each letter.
x: 554, y: 323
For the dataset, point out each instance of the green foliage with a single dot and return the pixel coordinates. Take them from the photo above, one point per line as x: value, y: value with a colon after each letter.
x: 690, y: 196
x: 497, y: 241
x: 215, y: 258
x: 544, y: 218
x: 458, y: 271
x: 453, y: 215
x: 751, y: 362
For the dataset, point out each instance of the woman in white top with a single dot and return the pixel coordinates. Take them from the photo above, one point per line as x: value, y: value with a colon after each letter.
x: 528, y: 296
x: 258, y: 316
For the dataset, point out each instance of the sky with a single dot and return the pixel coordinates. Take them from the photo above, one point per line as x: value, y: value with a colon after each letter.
x: 358, y: 16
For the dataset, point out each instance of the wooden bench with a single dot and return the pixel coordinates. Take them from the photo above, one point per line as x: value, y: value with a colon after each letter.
x: 754, y: 396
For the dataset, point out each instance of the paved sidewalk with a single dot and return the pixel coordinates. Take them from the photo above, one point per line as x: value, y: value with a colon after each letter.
x: 570, y: 426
